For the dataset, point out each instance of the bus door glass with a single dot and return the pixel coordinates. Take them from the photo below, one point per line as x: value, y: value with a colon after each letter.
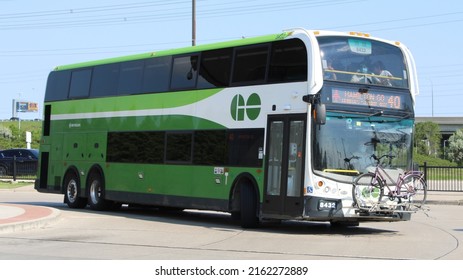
x: 284, y: 165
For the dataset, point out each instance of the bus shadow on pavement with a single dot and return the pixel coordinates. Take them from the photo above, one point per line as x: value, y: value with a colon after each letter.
x: 222, y: 221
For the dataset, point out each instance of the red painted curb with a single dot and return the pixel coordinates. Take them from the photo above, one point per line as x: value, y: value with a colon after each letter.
x: 30, y: 213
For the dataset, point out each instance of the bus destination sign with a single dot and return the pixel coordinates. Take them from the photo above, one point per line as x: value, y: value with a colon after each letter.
x: 372, y: 99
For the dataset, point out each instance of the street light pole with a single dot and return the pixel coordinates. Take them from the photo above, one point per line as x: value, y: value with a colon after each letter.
x: 445, y: 152
x: 193, y: 23
x: 432, y: 97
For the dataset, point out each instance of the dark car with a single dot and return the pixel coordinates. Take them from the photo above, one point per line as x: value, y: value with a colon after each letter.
x: 26, y: 162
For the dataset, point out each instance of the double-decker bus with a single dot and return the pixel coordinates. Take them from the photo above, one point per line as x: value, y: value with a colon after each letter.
x: 271, y: 127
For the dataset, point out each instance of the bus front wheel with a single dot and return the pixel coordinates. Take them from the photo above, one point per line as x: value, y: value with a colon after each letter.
x: 248, y: 204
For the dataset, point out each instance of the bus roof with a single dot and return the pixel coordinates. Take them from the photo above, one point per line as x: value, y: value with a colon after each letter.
x: 234, y: 43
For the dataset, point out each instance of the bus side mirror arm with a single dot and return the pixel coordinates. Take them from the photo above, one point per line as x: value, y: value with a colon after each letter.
x: 309, y: 99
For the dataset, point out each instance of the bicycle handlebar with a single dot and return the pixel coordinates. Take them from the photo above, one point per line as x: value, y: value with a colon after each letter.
x: 377, y: 159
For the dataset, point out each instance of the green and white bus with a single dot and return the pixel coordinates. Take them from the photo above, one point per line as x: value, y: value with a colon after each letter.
x: 271, y: 127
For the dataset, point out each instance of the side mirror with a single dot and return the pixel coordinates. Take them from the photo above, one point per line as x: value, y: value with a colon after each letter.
x: 319, y: 114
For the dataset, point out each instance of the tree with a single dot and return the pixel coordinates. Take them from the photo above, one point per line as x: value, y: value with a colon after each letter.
x: 427, y: 138
x: 455, y: 149
x: 13, y: 137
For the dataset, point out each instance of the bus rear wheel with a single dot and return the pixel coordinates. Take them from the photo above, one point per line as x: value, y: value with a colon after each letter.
x: 96, y: 198
x: 72, y: 192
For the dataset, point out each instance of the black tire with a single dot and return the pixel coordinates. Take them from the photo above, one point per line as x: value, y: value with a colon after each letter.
x: 72, y: 192
x: 3, y: 171
x: 367, y: 191
x: 96, y: 196
x: 416, y: 187
x: 248, y: 204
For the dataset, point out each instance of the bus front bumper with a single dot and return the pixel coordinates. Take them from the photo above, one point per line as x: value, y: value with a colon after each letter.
x: 330, y: 209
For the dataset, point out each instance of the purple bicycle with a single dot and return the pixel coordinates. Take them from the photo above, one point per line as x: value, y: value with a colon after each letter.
x: 378, y: 191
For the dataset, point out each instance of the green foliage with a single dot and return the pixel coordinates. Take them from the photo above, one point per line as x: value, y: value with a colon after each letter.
x: 431, y: 161
x: 427, y: 139
x: 455, y: 148
x: 13, y: 134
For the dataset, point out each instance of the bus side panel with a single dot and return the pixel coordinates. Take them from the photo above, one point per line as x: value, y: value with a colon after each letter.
x: 74, y: 147
x: 95, y: 151
x: 199, y: 187
x: 51, y: 164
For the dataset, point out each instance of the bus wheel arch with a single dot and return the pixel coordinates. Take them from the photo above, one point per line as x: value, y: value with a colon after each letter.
x: 72, y: 189
x: 95, y: 188
x: 244, y: 201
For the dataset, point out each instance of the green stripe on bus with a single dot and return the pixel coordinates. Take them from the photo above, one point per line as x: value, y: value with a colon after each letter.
x: 134, y: 102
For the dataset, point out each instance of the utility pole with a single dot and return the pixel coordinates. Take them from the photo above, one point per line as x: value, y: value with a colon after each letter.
x: 193, y: 23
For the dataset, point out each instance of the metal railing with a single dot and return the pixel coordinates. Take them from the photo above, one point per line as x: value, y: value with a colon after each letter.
x: 443, y: 178
x: 18, y: 168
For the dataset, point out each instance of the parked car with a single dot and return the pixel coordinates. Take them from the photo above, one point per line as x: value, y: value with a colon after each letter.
x: 26, y: 162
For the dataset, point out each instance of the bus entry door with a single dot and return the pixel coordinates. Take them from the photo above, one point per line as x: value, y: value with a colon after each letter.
x: 284, y: 165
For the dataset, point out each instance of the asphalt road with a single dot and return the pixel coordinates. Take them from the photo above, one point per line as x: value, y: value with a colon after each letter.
x: 150, y: 234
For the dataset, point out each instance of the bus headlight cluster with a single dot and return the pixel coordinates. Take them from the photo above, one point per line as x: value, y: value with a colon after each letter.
x: 326, y: 189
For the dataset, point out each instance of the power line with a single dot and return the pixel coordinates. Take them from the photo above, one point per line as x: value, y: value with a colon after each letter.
x: 156, y: 15
x: 124, y: 7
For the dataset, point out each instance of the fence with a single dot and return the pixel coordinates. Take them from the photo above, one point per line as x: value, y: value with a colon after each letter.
x: 18, y: 168
x: 443, y: 178
x: 438, y: 178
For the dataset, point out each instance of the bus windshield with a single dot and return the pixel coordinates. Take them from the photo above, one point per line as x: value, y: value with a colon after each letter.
x: 344, y: 146
x: 364, y: 61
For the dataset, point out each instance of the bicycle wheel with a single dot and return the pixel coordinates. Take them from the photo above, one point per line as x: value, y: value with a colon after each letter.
x: 416, y: 188
x: 367, y: 191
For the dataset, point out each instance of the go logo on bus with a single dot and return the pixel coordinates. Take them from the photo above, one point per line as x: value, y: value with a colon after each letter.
x: 251, y: 108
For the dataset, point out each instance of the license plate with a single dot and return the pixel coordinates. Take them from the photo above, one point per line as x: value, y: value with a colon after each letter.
x: 326, y: 205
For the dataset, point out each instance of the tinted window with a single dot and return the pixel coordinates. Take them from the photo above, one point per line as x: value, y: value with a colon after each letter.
x: 178, y: 147
x: 58, y: 85
x: 105, y: 80
x: 250, y: 64
x: 131, y: 76
x: 27, y: 154
x: 364, y: 61
x: 80, y: 83
x: 156, y: 77
x: 184, y: 72
x: 136, y: 147
x: 8, y: 153
x: 210, y: 147
x: 46, y: 120
x: 246, y: 147
x: 215, y: 68
x: 288, y: 62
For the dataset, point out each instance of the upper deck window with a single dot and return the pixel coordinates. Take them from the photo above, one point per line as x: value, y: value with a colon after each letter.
x: 361, y: 60
x: 80, y: 83
x: 250, y: 65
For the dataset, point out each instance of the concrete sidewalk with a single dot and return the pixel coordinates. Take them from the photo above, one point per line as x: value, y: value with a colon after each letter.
x: 440, y: 197
x: 17, y: 217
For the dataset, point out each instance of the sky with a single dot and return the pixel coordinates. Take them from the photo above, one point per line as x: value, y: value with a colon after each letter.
x: 37, y: 36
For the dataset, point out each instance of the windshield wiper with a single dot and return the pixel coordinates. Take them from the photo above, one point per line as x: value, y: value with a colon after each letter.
x: 377, y: 114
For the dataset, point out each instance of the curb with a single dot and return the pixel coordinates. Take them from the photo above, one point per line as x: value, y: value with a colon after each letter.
x: 445, y: 202
x: 32, y: 218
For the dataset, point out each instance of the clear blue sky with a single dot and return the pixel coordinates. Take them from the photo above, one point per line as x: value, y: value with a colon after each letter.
x: 36, y: 36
